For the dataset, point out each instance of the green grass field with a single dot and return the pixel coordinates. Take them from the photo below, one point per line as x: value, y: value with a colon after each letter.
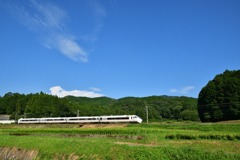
x: 159, y: 141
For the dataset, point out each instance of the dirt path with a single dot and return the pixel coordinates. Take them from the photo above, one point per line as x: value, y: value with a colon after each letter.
x: 15, y: 153
x: 81, y: 136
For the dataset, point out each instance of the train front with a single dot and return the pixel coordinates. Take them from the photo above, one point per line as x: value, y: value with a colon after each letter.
x: 138, y: 119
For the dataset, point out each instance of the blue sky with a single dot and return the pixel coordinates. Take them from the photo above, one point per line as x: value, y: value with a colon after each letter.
x: 116, y: 48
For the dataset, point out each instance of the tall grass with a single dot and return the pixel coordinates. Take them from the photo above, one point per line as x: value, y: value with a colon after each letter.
x: 215, y: 136
x: 199, y: 127
x: 92, y: 131
x: 180, y: 153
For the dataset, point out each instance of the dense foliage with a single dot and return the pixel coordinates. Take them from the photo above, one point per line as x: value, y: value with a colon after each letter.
x: 44, y: 105
x: 34, y: 105
x: 167, y: 107
x: 219, y: 100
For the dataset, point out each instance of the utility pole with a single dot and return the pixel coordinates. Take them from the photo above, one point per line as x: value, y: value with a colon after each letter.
x: 77, y: 113
x: 147, y: 113
x: 17, y: 111
x: 16, y: 117
x: 25, y: 115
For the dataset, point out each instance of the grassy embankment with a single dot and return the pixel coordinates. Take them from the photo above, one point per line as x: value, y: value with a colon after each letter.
x: 167, y: 141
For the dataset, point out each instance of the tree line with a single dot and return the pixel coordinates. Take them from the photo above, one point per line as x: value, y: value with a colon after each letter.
x: 45, y: 105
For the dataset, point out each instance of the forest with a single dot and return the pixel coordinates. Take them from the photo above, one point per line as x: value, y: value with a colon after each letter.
x: 45, y: 105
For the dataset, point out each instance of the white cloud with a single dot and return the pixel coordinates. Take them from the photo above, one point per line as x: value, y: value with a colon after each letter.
x: 95, y: 89
x: 173, y: 90
x: 186, y: 89
x: 71, y: 49
x: 49, y: 22
x: 58, y: 91
x: 183, y: 91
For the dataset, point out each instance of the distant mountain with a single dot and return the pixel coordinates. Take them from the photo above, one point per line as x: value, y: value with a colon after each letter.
x: 167, y: 107
x: 125, y: 99
x: 102, y: 101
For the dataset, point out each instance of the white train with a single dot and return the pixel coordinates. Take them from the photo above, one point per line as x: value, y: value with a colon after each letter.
x: 82, y: 120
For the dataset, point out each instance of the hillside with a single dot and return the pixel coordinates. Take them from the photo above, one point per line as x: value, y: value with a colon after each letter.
x: 102, y: 101
x: 168, y: 107
x: 44, y: 105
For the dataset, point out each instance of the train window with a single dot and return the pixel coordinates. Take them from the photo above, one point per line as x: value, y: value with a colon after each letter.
x: 77, y: 119
x: 118, y: 118
x: 57, y: 119
x: 82, y: 119
x: 29, y: 120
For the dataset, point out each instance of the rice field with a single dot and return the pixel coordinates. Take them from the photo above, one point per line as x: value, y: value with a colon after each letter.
x: 158, y: 141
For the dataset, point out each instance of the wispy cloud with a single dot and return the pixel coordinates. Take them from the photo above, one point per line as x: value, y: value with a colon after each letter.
x: 58, y: 91
x: 183, y: 91
x: 49, y: 21
x: 95, y: 89
x: 70, y: 48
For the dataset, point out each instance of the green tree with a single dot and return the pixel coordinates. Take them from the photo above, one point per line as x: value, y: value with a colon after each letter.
x: 219, y: 99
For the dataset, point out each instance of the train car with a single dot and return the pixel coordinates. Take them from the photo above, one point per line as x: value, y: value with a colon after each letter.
x: 7, y: 121
x: 120, y: 119
x: 28, y: 120
x: 55, y: 120
x: 94, y: 119
x: 82, y: 120
x: 41, y: 120
x: 136, y: 119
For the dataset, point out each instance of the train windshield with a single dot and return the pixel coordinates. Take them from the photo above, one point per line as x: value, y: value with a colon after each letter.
x: 138, y: 117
